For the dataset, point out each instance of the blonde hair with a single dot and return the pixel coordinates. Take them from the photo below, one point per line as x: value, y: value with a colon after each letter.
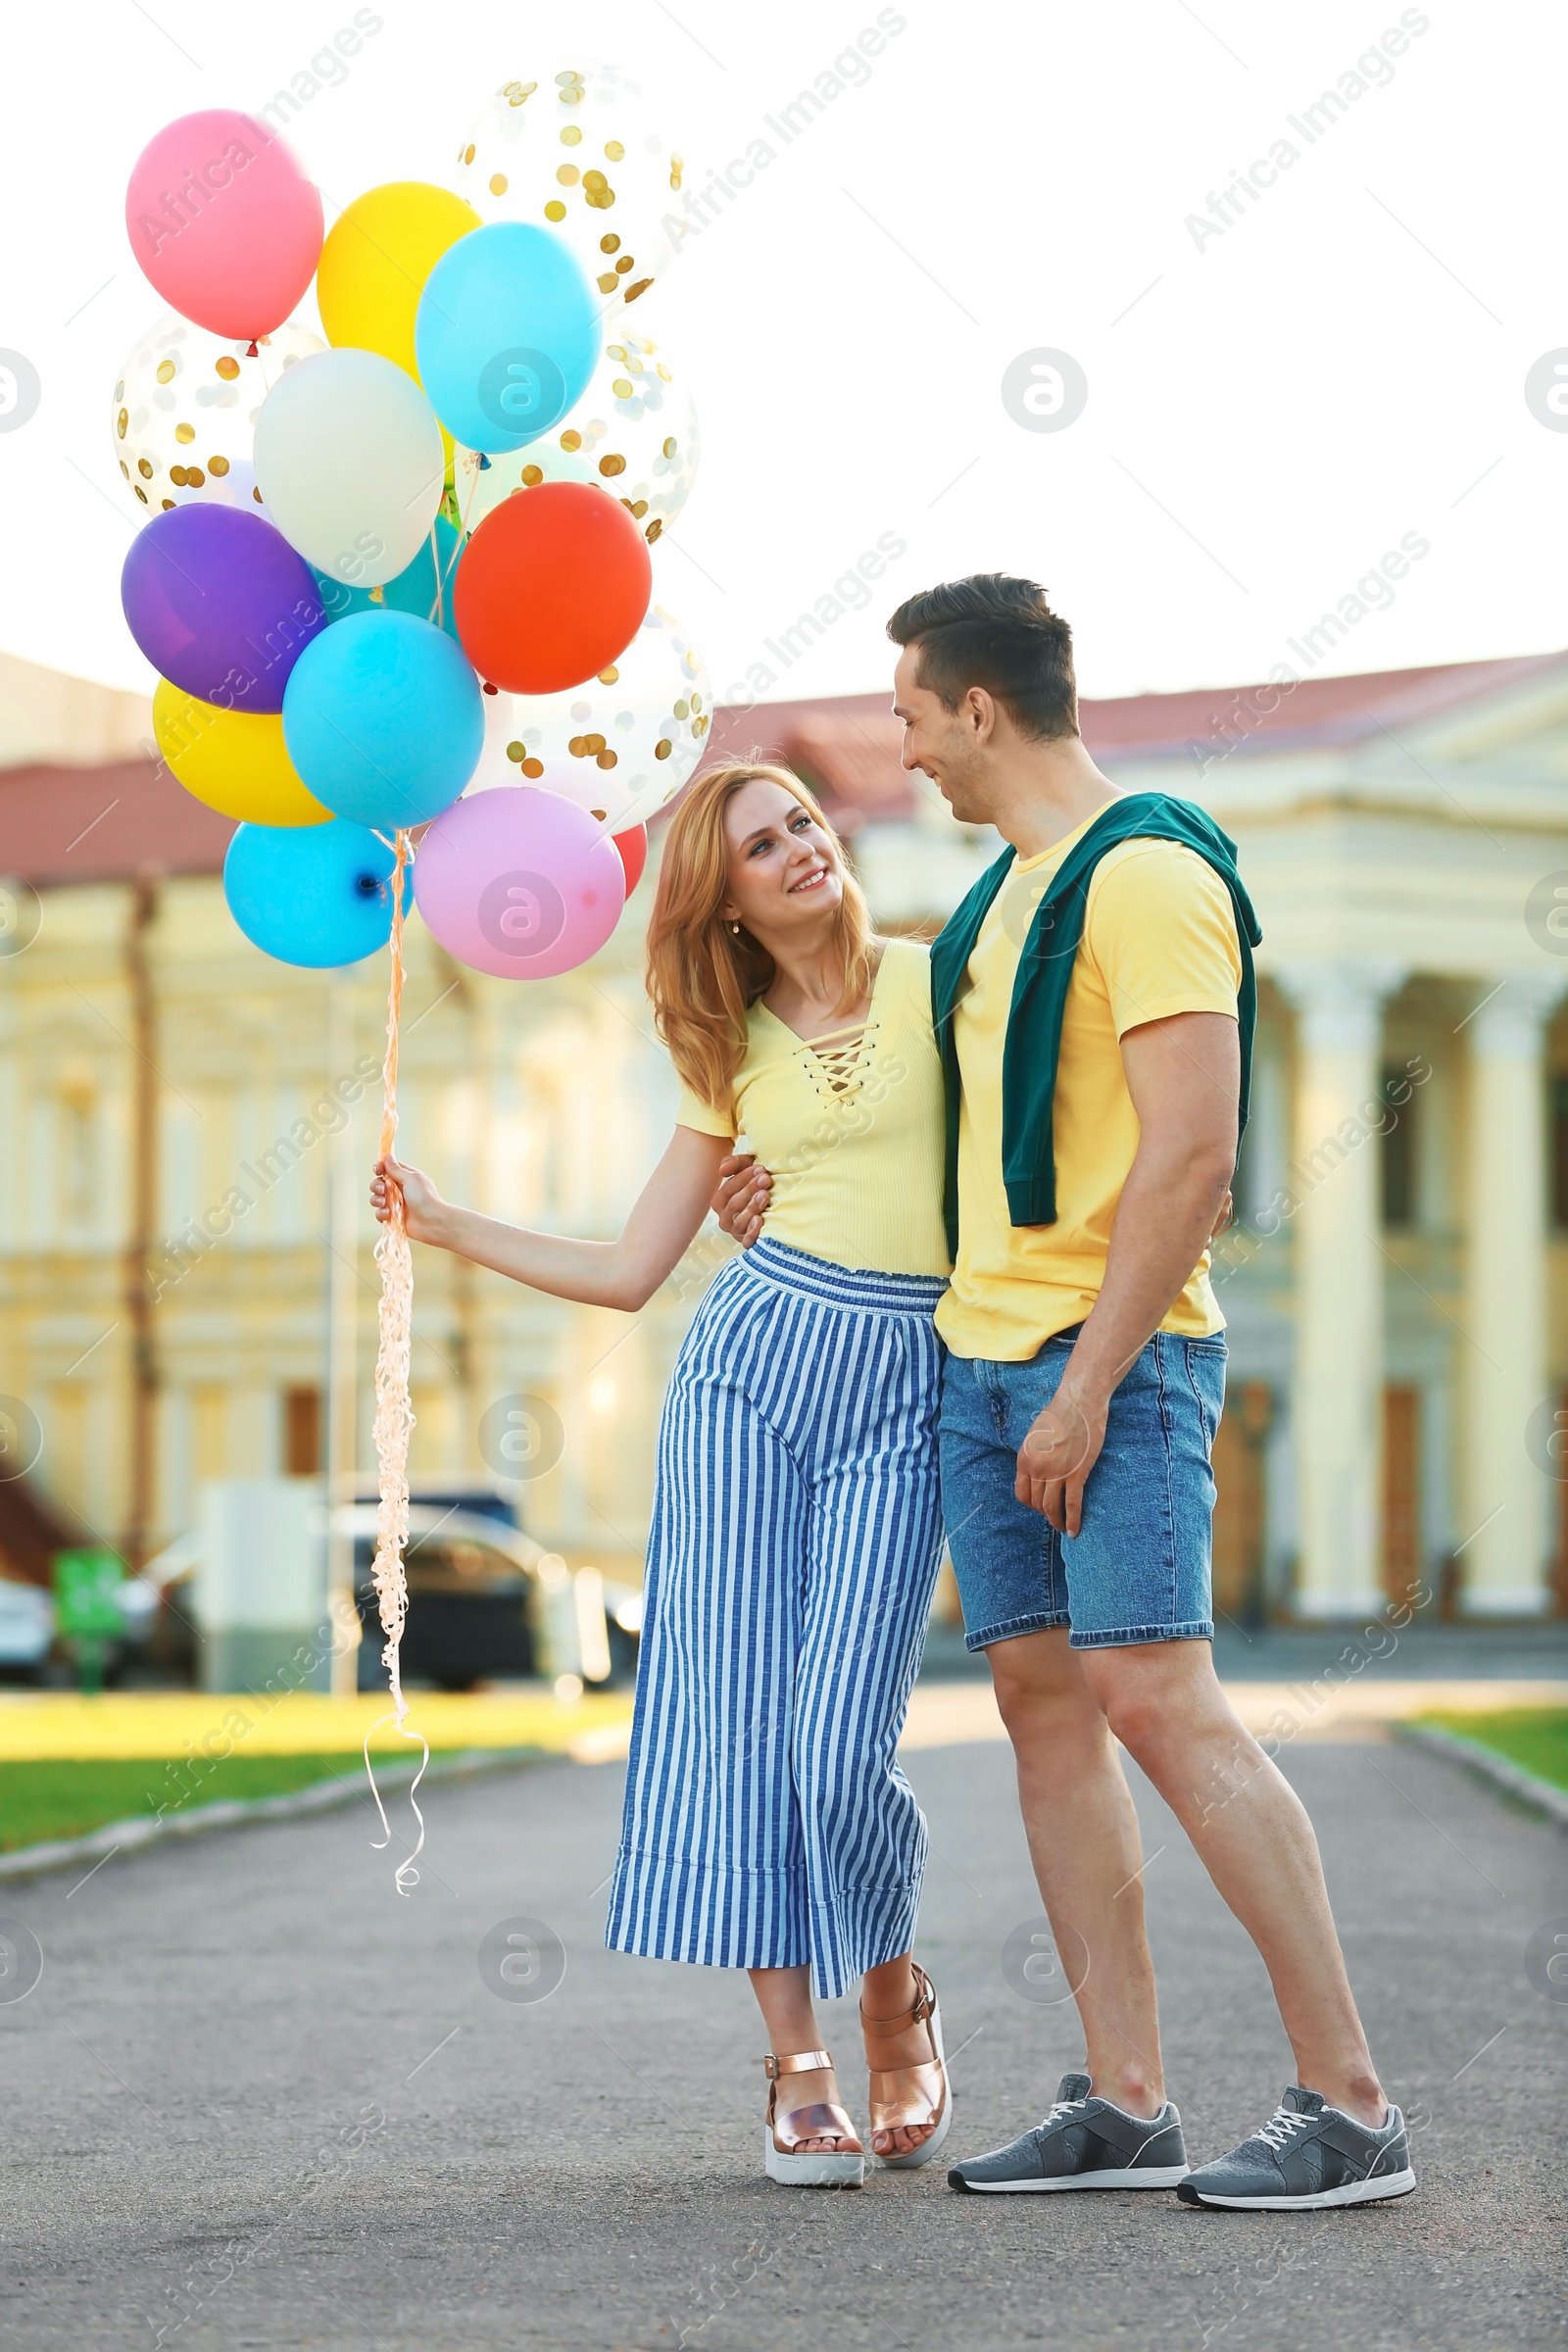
x: 703, y: 977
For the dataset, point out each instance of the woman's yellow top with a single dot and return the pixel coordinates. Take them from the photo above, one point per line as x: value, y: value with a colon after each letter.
x: 852, y: 1131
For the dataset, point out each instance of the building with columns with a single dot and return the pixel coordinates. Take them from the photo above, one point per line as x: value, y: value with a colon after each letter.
x: 1395, y: 1284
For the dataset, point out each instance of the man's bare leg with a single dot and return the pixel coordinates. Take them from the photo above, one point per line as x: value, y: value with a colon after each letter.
x: 1163, y: 1702
x: 1084, y: 1843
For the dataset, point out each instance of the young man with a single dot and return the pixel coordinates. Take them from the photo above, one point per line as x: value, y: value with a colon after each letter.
x: 1094, y: 997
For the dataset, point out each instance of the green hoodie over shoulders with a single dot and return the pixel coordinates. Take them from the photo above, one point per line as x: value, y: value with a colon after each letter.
x: 1040, y: 990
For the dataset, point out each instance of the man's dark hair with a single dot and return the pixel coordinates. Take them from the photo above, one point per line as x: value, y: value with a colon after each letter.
x: 998, y: 633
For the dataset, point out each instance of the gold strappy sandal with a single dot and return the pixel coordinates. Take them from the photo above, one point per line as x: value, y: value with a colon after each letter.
x: 908, y: 2096
x: 783, y: 2158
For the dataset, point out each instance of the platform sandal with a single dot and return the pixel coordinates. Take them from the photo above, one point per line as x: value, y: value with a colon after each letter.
x: 783, y: 2157
x: 908, y: 2096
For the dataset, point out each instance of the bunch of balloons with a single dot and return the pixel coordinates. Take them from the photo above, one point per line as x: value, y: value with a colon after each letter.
x: 403, y: 578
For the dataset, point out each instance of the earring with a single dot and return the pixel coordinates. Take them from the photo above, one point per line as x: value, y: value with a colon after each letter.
x: 735, y: 927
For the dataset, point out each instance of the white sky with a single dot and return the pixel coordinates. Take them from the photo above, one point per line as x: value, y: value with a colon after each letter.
x: 1342, y: 367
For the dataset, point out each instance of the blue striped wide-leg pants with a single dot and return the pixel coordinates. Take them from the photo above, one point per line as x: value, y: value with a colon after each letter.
x: 796, y: 1528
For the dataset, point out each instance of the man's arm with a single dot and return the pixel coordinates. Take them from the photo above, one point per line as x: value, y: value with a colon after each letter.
x: 741, y: 1203
x: 1184, y: 1076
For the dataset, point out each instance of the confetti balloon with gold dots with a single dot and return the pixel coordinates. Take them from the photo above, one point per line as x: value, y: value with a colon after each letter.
x: 185, y: 414
x: 619, y: 745
x: 568, y: 146
x: 633, y: 433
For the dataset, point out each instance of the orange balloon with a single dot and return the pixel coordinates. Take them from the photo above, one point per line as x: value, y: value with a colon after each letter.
x: 552, y: 588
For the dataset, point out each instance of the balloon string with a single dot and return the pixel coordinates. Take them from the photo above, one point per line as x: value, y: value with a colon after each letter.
x: 437, y: 609
x: 405, y: 1869
x: 394, y: 1006
x: 394, y: 1411
x: 473, y: 492
x: 442, y: 577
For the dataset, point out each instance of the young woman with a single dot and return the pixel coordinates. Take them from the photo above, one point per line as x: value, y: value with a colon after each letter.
x: 795, y: 1522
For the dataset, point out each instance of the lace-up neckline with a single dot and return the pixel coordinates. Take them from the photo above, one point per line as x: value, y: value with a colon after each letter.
x: 841, y: 1056
x: 849, y: 1122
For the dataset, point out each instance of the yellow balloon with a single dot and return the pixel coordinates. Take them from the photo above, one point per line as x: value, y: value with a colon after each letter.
x: 374, y: 264
x: 235, y: 760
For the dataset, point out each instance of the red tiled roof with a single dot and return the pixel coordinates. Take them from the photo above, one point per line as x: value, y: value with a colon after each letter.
x: 847, y: 747
x: 99, y: 824
x: 850, y: 747
x: 1323, y: 710
x: 72, y: 825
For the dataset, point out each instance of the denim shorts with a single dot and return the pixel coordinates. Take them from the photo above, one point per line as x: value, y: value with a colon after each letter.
x: 1138, y: 1569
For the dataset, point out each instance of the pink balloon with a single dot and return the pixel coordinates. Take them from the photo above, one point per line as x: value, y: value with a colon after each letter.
x: 224, y: 223
x: 519, y: 883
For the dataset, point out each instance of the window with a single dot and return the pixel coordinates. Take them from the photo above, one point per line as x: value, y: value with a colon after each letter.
x: 76, y: 1190
x: 1402, y: 1492
x: 1560, y: 1152
x: 1400, y: 1151
x: 1241, y: 1507
x: 302, y: 1432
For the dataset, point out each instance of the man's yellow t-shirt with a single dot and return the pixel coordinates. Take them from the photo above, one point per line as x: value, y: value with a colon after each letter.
x: 1159, y: 938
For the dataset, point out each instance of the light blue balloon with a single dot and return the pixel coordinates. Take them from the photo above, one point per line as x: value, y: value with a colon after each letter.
x: 387, y: 726
x: 506, y: 335
x: 313, y: 895
x: 412, y: 591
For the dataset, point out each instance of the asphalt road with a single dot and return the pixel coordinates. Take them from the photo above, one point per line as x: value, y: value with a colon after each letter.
x: 257, y: 2099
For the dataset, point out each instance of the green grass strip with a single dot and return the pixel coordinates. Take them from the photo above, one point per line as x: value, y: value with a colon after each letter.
x: 1536, y: 1739
x: 59, y: 1798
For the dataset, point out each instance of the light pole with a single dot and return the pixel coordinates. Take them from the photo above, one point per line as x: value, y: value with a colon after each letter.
x: 139, y: 1287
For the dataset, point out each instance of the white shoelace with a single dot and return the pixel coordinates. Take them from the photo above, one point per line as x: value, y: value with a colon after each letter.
x: 1061, y: 2109
x: 1284, y: 2121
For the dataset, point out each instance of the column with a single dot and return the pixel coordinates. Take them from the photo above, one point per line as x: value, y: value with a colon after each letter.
x: 1507, y: 1542
x: 1337, y: 1401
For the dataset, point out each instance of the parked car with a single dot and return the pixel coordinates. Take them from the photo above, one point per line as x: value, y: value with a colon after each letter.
x: 26, y: 1632
x: 487, y: 1603
x: 28, y: 1652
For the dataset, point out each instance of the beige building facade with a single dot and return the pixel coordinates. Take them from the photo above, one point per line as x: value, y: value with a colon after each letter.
x: 185, y: 1131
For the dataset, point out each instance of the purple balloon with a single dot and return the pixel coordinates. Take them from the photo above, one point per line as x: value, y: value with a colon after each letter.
x: 519, y: 883
x: 220, y: 604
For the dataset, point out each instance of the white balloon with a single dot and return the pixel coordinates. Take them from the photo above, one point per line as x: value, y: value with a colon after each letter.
x: 621, y: 745
x: 498, y: 731
x: 184, y: 413
x: 633, y: 433
x: 569, y: 147
x: 350, y: 461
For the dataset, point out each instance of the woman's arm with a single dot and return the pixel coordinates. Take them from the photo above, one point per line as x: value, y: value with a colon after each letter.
x: 624, y: 1273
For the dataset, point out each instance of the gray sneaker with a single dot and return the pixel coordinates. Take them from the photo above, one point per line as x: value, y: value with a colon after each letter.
x: 1084, y: 2143
x: 1304, y: 2156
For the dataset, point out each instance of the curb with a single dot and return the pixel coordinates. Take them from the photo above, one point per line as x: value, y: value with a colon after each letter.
x: 234, y: 1813
x: 1487, y: 1765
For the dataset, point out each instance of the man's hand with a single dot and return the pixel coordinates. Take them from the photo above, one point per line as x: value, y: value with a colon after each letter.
x: 1056, y: 1456
x: 742, y: 1199
x: 1184, y: 1077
